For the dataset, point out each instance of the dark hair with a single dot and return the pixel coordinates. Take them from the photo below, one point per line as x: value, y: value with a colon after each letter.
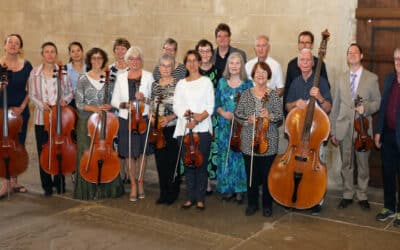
x: 21, y: 43
x: 48, y: 44
x: 192, y: 52
x: 204, y: 43
x: 264, y: 66
x: 222, y: 27
x: 306, y: 33
x: 74, y: 43
x: 356, y: 45
x: 121, y: 42
x: 172, y: 42
x: 89, y: 55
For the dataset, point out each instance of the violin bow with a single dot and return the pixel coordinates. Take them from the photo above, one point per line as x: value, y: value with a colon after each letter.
x: 129, y: 139
x: 252, y: 151
x: 229, y: 145
x: 144, y: 150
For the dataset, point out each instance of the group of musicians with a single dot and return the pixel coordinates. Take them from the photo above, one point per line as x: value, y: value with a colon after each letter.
x: 193, y: 110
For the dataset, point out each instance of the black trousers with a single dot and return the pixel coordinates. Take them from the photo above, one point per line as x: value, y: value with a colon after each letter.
x: 47, y: 181
x: 390, y: 169
x: 166, y: 159
x: 261, y: 166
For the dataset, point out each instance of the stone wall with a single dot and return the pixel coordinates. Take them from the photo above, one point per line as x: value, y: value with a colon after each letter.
x: 147, y: 23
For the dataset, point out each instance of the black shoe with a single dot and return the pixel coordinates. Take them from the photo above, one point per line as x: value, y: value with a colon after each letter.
x: 364, y: 204
x: 228, y: 197
x: 160, y: 201
x: 250, y: 211
x: 201, y: 207
x: 267, y: 212
x: 48, y: 193
x: 316, y: 210
x: 209, y: 192
x: 344, y: 203
x: 187, y: 205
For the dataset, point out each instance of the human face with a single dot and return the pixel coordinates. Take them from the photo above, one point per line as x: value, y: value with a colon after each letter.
x: 169, y: 49
x: 234, y: 66
x: 397, y: 62
x: 261, y: 48
x: 49, y: 54
x: 119, y: 52
x: 192, y: 65
x: 304, y: 42
x: 76, y: 53
x: 135, y: 62
x: 305, y: 62
x: 13, y: 45
x: 205, y: 53
x: 223, y: 39
x: 260, y: 76
x: 97, y: 61
x: 165, y: 68
x: 354, y: 56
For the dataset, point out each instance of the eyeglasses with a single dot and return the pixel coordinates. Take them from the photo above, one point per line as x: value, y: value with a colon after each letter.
x: 305, y: 43
x: 305, y: 60
x: 166, y: 65
x: 169, y: 49
x: 134, y: 59
x: 205, y: 51
x: 260, y: 72
x: 97, y: 58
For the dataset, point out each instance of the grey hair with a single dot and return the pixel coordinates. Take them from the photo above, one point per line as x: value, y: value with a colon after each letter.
x: 227, y: 74
x: 261, y: 37
x: 169, y: 58
x: 134, y: 51
x: 304, y: 50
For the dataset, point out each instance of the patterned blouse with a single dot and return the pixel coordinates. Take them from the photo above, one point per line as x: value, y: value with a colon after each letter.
x: 167, y: 92
x: 248, y: 105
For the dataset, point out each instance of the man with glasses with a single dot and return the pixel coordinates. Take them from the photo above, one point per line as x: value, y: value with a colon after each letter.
x: 387, y: 137
x: 305, y: 40
x: 224, y: 49
x: 170, y: 47
x: 261, y: 48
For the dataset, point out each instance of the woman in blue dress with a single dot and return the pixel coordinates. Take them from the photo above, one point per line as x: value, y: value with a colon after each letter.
x: 231, y: 175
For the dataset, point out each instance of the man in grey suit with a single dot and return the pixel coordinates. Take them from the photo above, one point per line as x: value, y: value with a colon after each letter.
x: 357, y: 81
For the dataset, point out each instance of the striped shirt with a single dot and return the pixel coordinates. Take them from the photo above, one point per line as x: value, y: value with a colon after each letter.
x: 45, y: 91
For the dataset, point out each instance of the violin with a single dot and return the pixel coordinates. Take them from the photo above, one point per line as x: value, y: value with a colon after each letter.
x: 156, y: 136
x: 192, y: 157
x: 363, y: 141
x: 298, y: 178
x: 100, y: 163
x: 237, y: 130
x: 58, y: 155
x: 13, y: 155
x: 260, y: 143
x: 138, y: 123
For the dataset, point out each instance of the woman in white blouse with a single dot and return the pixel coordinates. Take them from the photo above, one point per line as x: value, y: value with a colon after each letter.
x: 195, y: 93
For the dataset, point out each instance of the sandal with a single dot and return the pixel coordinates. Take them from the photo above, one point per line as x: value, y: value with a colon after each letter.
x: 187, y: 205
x: 20, y: 189
x: 133, y: 195
x: 141, y: 194
x: 200, y: 206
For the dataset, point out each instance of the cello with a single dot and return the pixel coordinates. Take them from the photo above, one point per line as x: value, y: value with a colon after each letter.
x: 100, y: 163
x: 363, y: 141
x: 58, y: 155
x: 14, y: 158
x: 298, y: 178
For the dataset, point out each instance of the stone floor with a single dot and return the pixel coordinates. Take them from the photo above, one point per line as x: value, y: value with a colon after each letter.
x: 31, y: 221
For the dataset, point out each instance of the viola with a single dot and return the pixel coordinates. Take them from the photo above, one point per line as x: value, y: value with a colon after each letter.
x: 260, y: 139
x: 100, y: 163
x: 298, y: 178
x: 236, y: 131
x: 192, y: 157
x: 58, y: 155
x: 13, y: 156
x: 138, y: 122
x: 156, y: 136
x: 363, y: 141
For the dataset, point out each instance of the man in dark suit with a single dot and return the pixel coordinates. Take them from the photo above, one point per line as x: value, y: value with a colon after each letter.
x: 305, y: 40
x: 221, y: 53
x: 387, y: 137
x: 357, y: 81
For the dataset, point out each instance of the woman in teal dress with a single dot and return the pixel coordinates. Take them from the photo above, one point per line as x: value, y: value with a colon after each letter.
x: 231, y: 175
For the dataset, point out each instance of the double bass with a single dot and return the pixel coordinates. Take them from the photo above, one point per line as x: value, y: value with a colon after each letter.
x: 58, y: 155
x: 363, y: 141
x: 298, y: 178
x: 100, y: 163
x: 13, y: 156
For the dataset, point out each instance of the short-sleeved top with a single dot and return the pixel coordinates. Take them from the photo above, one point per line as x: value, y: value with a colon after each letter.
x: 17, y: 85
x: 300, y: 89
x: 73, y: 74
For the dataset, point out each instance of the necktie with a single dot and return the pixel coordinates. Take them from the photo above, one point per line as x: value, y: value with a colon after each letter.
x: 353, y: 84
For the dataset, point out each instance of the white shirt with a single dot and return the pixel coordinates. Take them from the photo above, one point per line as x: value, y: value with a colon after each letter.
x: 198, y: 96
x: 276, y: 81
